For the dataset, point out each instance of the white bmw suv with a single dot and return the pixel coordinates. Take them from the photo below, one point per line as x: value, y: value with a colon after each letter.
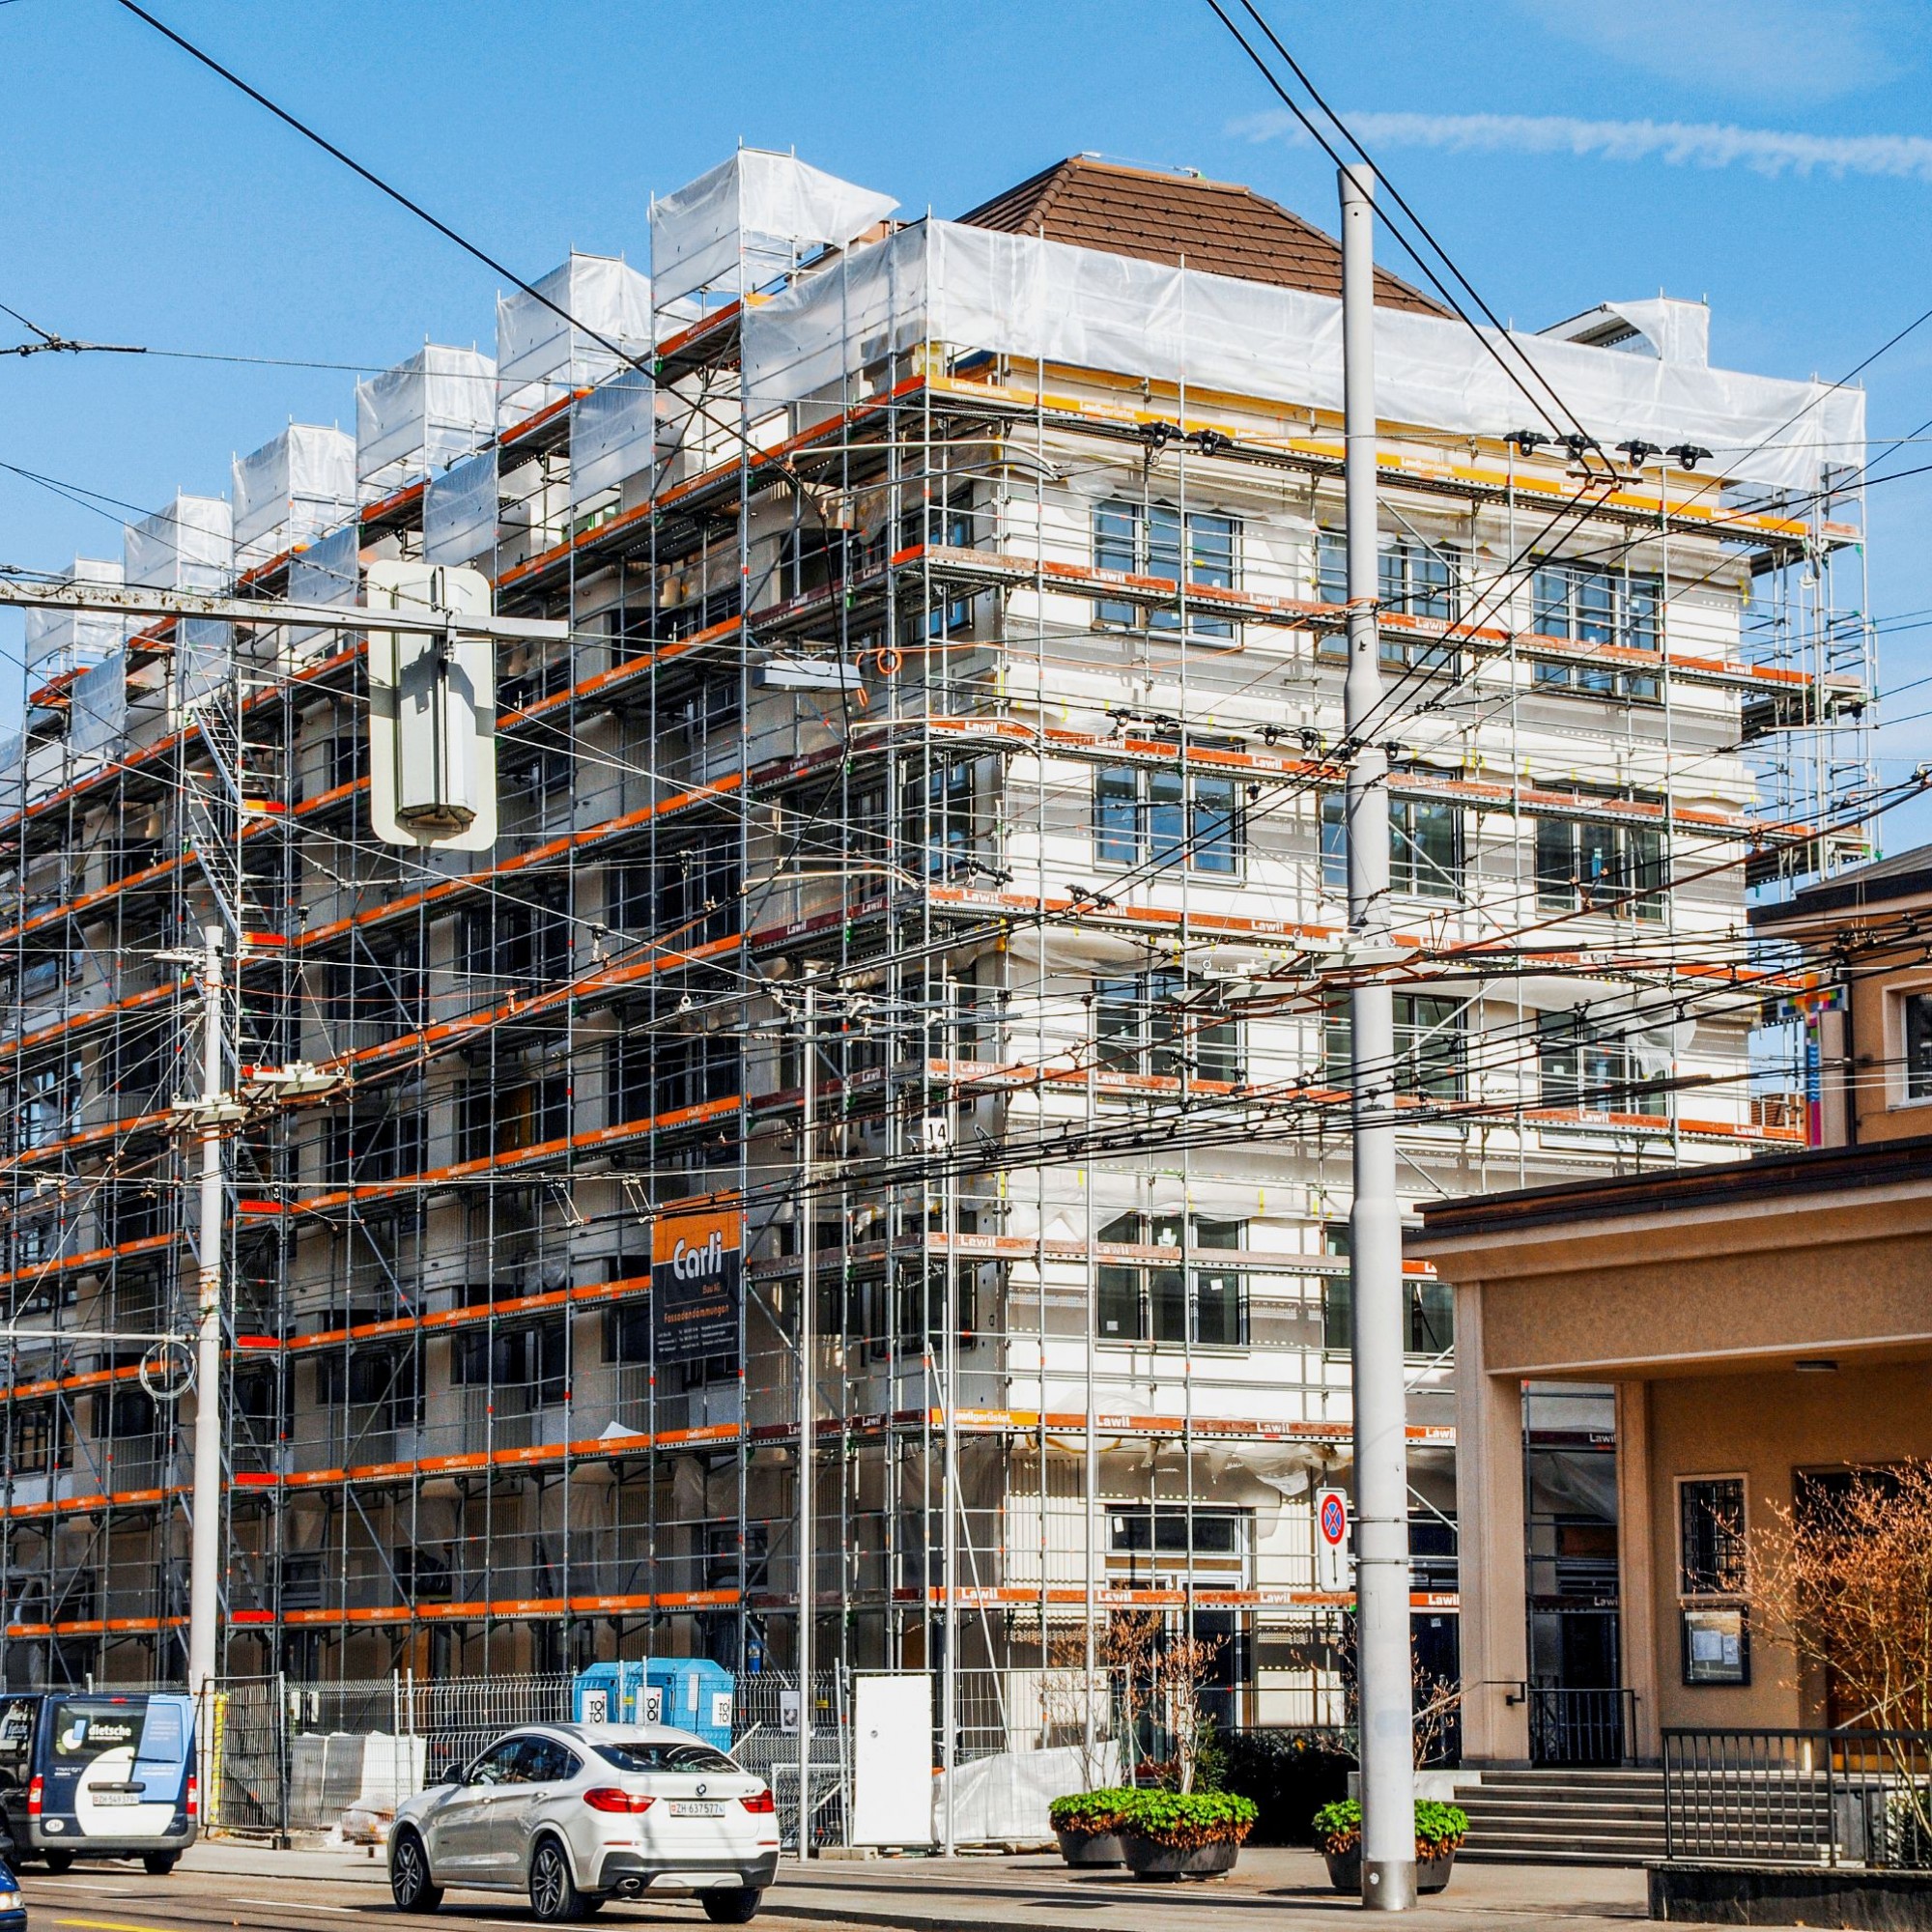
x: 574, y: 1814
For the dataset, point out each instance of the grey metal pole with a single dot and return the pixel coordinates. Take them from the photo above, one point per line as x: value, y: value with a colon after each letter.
x: 203, y: 1606
x: 807, y: 1408
x: 1375, y: 1228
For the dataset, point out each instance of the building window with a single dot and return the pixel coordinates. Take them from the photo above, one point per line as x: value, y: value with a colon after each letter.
x: 1190, y: 1298
x: 1424, y: 847
x: 1414, y: 579
x: 1145, y: 540
x: 1429, y: 1315
x: 506, y: 1115
x: 1582, y: 1062
x: 1918, y: 1019
x: 1164, y: 818
x: 1148, y: 1024
x: 942, y: 817
x: 1582, y: 867
x: 1711, y: 1537
x: 1597, y: 606
x: 1430, y: 1046
x: 1146, y: 1538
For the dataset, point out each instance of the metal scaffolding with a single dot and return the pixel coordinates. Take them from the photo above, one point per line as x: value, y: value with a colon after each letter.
x: 996, y: 699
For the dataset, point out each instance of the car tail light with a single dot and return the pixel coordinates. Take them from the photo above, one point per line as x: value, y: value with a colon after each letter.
x: 34, y: 1790
x: 608, y: 1797
x: 193, y: 1795
x: 761, y: 1801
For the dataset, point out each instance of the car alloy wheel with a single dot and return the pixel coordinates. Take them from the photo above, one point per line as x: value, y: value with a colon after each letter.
x: 410, y: 1877
x: 554, y: 1894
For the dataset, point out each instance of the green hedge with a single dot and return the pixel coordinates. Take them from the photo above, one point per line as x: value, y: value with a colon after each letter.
x: 1439, y: 1828
x: 1287, y: 1775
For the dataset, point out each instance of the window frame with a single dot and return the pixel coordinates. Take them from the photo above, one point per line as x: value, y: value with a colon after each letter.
x: 1156, y: 538
x: 1623, y: 885
x: 1631, y: 618
x: 1620, y: 1089
x: 1165, y: 815
x: 1143, y: 1289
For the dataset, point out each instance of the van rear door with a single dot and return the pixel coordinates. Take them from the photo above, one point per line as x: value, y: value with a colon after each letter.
x: 113, y: 1767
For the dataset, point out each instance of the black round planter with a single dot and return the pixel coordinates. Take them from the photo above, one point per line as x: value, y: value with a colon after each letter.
x: 1147, y: 1858
x: 1345, y: 1871
x: 1091, y: 1848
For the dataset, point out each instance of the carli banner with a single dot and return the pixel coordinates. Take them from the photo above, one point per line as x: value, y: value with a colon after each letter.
x: 697, y: 1264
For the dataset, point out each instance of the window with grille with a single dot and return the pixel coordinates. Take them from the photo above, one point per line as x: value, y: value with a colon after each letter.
x: 1148, y: 540
x: 1711, y: 1537
x: 1917, y: 1015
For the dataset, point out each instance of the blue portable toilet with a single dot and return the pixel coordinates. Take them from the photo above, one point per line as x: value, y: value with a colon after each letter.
x: 611, y: 1693
x: 694, y: 1694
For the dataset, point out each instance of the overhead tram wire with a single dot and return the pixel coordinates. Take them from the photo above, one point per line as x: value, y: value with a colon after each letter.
x: 1563, y: 410
x: 736, y: 430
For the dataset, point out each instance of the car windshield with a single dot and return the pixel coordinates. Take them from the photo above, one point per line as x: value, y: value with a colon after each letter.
x: 674, y: 1754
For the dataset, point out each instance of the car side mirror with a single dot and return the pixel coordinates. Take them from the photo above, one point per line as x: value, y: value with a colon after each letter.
x: 455, y: 1775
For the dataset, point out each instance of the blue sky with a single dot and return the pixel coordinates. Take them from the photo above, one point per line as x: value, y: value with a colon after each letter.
x: 1774, y: 156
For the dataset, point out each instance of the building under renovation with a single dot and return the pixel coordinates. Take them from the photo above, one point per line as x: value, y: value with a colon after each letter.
x: 921, y: 867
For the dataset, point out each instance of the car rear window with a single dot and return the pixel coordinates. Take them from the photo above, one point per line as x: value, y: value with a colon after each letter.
x: 83, y: 1727
x: 673, y: 1755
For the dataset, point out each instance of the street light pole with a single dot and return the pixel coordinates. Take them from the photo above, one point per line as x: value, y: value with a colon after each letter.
x: 1375, y: 1227
x: 204, y: 1614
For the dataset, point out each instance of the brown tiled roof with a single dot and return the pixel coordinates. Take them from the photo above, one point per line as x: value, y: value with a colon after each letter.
x: 1218, y: 226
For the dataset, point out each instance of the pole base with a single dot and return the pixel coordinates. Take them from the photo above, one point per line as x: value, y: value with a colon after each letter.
x: 1389, y: 1885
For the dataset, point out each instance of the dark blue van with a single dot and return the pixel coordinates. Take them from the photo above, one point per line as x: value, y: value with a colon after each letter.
x: 98, y: 1775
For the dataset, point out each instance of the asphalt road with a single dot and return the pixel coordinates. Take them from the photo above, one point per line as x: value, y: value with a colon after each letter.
x: 251, y: 1888
x: 107, y: 1898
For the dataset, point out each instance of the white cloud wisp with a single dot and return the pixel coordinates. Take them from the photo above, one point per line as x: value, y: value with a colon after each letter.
x: 1676, y: 143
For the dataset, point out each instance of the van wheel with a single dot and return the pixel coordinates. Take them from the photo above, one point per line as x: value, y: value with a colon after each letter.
x: 410, y: 1883
x: 59, y: 1862
x: 731, y: 1906
x: 554, y: 1894
x: 159, y: 1864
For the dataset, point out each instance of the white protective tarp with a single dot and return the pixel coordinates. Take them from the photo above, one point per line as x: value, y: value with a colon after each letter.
x: 203, y: 656
x: 1005, y: 1799
x: 423, y: 414
x: 98, y: 706
x: 973, y: 288
x: 188, y: 545
x: 330, y: 571
x: 541, y: 355
x: 292, y: 490
x: 613, y: 433
x: 460, y: 509
x: 750, y: 219
x: 59, y: 641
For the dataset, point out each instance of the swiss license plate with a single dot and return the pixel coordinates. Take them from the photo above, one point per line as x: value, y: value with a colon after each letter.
x: 115, y: 1796
x: 695, y: 1807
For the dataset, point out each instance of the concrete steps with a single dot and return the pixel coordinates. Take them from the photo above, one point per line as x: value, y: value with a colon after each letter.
x: 1575, y: 1817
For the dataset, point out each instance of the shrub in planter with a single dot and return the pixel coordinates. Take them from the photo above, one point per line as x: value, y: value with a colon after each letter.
x: 1177, y: 1835
x: 1085, y: 1823
x: 1439, y: 1830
